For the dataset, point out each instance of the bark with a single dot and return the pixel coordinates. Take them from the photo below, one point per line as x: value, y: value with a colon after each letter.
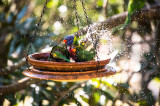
x: 152, y: 12
x: 21, y: 84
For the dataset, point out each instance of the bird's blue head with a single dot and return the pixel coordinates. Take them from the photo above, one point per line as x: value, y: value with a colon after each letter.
x: 69, y: 40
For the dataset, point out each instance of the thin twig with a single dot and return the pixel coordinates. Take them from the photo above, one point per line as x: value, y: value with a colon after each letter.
x: 12, y: 68
x: 105, y: 4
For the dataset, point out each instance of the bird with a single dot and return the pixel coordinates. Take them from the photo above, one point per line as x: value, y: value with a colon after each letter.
x: 77, y: 51
x: 82, y: 55
x: 69, y: 40
x: 59, y: 54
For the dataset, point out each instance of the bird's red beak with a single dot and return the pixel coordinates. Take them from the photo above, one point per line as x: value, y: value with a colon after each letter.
x: 64, y: 41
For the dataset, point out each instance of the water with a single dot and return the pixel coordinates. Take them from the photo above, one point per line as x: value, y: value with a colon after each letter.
x: 101, y: 40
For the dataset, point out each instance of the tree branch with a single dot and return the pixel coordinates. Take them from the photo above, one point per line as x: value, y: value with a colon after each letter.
x: 147, y: 12
x: 21, y: 84
x: 12, y: 68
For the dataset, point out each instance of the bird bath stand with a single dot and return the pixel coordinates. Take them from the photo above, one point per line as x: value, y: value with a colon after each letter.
x: 41, y: 68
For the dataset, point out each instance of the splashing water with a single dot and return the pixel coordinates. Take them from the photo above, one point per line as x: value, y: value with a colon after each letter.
x: 101, y: 40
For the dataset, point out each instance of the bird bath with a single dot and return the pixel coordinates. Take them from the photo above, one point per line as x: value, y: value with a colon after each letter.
x: 66, y: 71
x: 39, y: 61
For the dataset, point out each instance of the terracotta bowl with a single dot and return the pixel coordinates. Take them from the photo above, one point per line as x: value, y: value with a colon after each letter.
x: 39, y: 61
x: 68, y: 76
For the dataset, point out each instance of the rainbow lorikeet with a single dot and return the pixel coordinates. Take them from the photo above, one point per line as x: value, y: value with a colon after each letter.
x: 77, y: 51
x: 83, y: 55
x: 69, y: 40
x: 59, y: 53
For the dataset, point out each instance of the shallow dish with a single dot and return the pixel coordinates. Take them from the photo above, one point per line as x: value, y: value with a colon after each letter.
x: 39, y: 61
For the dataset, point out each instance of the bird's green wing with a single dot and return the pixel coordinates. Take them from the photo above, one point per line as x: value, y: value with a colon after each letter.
x: 59, y: 52
x: 84, y: 55
x: 62, y: 56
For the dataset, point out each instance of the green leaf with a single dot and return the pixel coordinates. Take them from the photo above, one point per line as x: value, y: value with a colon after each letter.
x: 108, y: 94
x: 100, y: 3
x: 84, y: 99
x: 10, y: 17
x: 2, y: 17
x: 22, y: 13
x: 96, y: 97
x: 133, y: 5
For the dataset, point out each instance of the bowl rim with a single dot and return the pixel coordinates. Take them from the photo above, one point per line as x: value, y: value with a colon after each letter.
x: 32, y: 60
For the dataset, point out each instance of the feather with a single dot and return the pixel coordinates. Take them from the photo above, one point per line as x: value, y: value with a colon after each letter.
x: 59, y: 53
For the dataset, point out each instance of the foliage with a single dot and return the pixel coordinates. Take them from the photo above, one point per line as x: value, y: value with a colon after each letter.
x: 17, y: 27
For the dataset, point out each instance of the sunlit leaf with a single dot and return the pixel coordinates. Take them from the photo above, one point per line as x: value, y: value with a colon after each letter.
x: 100, y: 3
x: 96, y: 96
x: 84, y: 98
x: 10, y: 17
x: 52, y: 3
x: 21, y: 14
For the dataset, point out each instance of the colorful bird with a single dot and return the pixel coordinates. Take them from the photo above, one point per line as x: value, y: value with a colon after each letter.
x: 59, y: 54
x: 69, y: 40
x: 83, y: 55
x: 77, y: 51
